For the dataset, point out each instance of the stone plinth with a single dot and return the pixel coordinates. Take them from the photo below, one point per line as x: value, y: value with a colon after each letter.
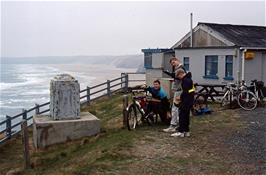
x: 47, y: 131
x: 64, y: 98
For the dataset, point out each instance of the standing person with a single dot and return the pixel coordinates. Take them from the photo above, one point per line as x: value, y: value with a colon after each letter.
x: 186, y: 103
x: 176, y: 64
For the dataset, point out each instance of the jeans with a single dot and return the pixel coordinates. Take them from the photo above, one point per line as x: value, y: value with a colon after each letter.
x: 175, y: 110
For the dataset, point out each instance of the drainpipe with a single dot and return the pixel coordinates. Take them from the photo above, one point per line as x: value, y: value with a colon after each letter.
x: 191, y: 29
x: 243, y: 64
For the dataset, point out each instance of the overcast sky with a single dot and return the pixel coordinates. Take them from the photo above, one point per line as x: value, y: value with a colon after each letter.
x: 110, y: 28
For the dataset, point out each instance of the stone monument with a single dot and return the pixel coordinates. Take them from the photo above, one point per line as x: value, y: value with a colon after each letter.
x: 65, y: 121
x: 64, y: 97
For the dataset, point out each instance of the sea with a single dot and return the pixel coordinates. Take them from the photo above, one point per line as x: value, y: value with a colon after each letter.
x: 23, y: 85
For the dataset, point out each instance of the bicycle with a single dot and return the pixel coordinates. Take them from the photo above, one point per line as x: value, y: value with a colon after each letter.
x: 137, y: 112
x: 231, y: 91
x: 246, y: 99
x: 249, y: 98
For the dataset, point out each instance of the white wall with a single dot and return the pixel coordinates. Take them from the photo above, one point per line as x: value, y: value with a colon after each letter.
x: 152, y: 74
x: 264, y: 68
x: 254, y: 68
x: 157, y: 60
x: 166, y: 64
x: 197, y: 63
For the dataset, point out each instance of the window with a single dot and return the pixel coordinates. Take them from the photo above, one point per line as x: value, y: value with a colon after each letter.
x: 211, y: 66
x: 186, y: 63
x: 229, y: 67
x: 148, y: 60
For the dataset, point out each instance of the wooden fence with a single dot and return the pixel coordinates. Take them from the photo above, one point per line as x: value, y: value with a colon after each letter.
x: 12, y: 124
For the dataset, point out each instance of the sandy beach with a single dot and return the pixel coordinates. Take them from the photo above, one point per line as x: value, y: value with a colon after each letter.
x: 96, y: 73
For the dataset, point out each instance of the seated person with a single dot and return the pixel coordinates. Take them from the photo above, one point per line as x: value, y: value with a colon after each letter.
x: 200, y: 107
x: 164, y: 106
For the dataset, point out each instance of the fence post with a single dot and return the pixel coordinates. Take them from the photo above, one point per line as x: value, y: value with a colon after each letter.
x: 37, y: 109
x: 24, y: 115
x: 25, y: 143
x: 88, y: 95
x: 122, y: 79
x: 125, y: 104
x: 8, y: 127
x: 108, y: 88
x: 126, y: 83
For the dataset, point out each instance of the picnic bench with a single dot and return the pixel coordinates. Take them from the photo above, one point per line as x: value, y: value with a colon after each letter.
x: 209, y: 91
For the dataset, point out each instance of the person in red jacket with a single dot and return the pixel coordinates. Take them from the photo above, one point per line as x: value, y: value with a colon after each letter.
x: 186, y: 103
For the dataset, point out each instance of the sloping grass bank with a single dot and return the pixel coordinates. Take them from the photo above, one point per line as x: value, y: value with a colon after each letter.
x: 144, y: 151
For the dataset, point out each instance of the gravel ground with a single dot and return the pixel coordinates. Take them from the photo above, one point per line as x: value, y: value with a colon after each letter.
x: 249, y: 144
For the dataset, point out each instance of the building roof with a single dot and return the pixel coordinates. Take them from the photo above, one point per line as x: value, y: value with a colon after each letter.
x: 241, y: 35
x: 157, y: 50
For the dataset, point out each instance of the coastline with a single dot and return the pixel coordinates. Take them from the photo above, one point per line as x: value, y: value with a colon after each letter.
x: 35, y: 89
x: 99, y: 72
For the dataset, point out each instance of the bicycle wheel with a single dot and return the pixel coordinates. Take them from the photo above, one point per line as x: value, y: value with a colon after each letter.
x: 247, y: 100
x: 133, y: 117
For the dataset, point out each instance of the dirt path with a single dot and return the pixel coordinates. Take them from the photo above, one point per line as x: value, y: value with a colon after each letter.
x: 228, y: 142
x: 249, y: 145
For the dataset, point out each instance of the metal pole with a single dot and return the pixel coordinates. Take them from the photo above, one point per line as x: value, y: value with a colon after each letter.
x: 25, y: 142
x: 243, y: 65
x: 238, y: 78
x: 191, y: 29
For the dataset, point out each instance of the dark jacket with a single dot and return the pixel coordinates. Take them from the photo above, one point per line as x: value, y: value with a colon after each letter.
x: 188, y: 90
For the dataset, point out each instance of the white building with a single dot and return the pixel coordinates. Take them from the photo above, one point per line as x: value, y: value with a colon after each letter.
x: 219, y: 53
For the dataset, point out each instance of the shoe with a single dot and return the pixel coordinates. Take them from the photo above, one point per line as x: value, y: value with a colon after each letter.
x: 178, y: 134
x: 170, y: 129
x: 187, y: 134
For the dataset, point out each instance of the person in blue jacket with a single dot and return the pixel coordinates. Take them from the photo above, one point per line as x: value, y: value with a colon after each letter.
x: 159, y: 93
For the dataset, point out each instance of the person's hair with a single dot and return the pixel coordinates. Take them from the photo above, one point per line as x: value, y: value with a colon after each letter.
x: 179, y: 71
x: 157, y: 81
x: 173, y: 59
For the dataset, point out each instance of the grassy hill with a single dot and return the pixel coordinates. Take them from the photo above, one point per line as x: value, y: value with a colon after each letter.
x: 144, y: 151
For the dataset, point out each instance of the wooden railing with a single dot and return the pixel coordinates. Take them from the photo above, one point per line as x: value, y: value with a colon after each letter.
x: 11, y: 125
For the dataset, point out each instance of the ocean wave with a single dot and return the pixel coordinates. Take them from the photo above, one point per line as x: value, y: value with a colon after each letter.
x: 8, y: 86
x: 37, y: 92
x: 31, y: 85
x: 30, y: 75
x: 23, y: 100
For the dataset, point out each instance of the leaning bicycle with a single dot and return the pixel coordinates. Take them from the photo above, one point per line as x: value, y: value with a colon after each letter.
x: 245, y: 98
x: 138, y: 113
x: 231, y: 92
x: 249, y: 98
